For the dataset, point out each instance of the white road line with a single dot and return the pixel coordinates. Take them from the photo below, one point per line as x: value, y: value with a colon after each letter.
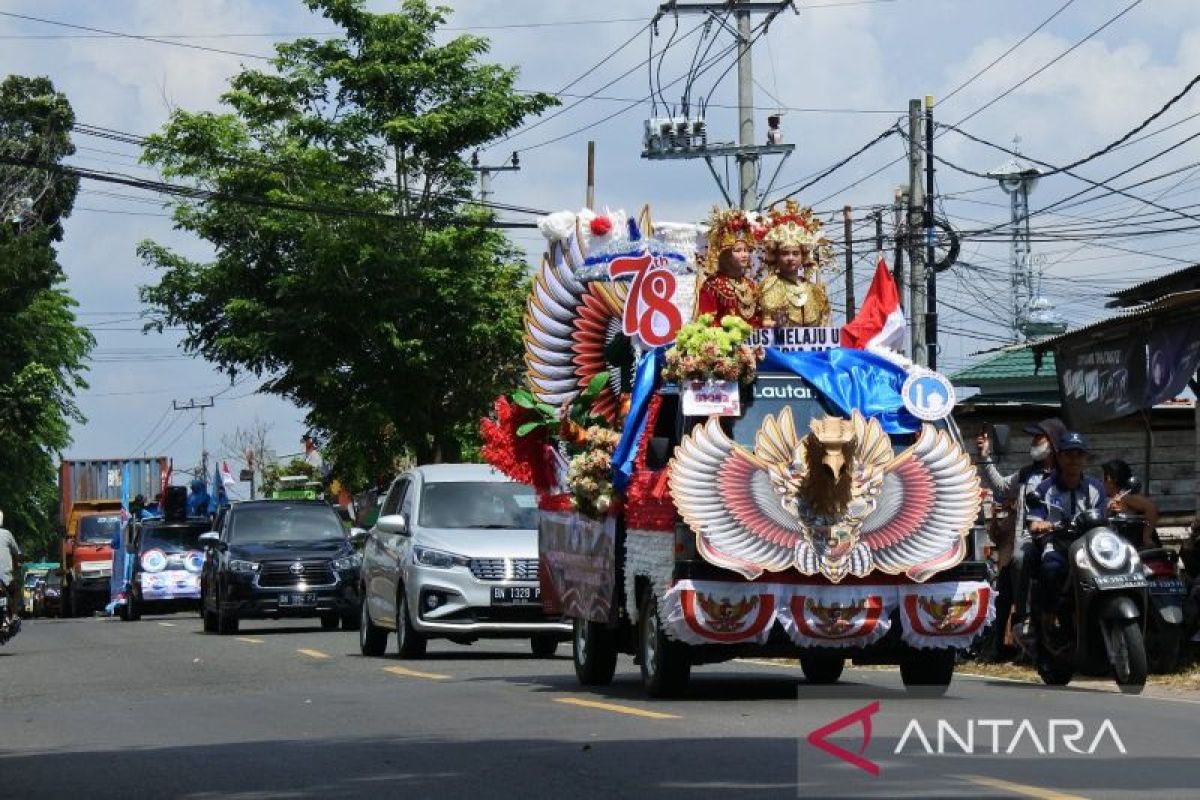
x: 167, y: 624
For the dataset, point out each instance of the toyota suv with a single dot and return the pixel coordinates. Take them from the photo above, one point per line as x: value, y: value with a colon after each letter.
x: 280, y: 558
x: 454, y: 555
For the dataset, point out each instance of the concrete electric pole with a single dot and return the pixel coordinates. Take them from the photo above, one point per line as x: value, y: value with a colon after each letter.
x: 193, y: 405
x: 485, y: 174
x: 916, y: 256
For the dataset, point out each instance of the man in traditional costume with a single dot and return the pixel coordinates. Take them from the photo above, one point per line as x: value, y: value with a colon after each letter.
x: 726, y: 288
x: 792, y: 295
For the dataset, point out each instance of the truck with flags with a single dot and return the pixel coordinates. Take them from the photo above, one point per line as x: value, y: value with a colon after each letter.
x: 94, y: 496
x: 723, y: 472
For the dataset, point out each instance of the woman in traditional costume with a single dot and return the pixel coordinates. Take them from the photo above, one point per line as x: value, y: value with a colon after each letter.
x: 727, y: 289
x: 792, y: 295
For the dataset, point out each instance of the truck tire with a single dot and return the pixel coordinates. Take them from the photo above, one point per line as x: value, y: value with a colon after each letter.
x: 666, y: 664
x: 409, y: 642
x: 822, y: 669
x: 132, y: 608
x: 928, y: 673
x: 594, y: 651
x: 372, y: 640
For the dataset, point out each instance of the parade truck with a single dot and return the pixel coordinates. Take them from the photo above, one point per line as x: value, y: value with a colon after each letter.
x: 90, y: 516
x: 717, y: 485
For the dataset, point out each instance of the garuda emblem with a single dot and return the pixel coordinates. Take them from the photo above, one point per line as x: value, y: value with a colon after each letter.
x: 837, y: 501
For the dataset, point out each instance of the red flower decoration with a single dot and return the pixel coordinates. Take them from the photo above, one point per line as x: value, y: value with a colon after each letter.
x: 522, y: 458
x: 600, y: 226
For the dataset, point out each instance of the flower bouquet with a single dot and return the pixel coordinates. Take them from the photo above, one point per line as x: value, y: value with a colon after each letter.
x: 703, y: 352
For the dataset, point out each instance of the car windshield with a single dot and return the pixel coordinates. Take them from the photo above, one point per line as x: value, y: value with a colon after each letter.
x: 99, y: 529
x: 32, y: 579
x: 172, y: 539
x: 284, y: 522
x: 481, y: 504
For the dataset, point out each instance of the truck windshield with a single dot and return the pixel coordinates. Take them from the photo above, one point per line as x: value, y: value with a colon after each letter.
x: 99, y: 529
x: 284, y: 522
x: 489, y: 505
x: 173, y: 539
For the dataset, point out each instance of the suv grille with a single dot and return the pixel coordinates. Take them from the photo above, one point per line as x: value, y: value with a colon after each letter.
x: 505, y: 569
x: 314, y: 572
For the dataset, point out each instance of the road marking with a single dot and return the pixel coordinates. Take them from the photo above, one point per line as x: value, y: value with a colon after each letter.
x: 249, y: 640
x: 167, y: 624
x: 312, y: 653
x: 1020, y: 788
x: 616, y: 709
x: 412, y: 673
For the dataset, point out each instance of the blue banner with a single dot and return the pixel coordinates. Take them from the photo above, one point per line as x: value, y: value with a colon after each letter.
x: 645, y: 380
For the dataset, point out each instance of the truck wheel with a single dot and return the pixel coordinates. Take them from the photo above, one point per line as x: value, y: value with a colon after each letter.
x: 409, y: 642
x: 928, y: 672
x: 594, y: 651
x: 1129, y: 656
x: 543, y: 646
x: 133, y: 610
x: 372, y: 640
x: 822, y: 669
x: 666, y: 664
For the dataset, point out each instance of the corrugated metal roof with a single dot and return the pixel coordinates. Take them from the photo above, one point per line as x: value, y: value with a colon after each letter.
x: 1014, y: 364
x: 1181, y: 280
x: 1180, y: 301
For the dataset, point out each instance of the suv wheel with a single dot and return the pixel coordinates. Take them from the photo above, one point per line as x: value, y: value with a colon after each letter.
x: 227, y: 622
x: 409, y: 642
x: 330, y: 620
x: 666, y: 664
x: 372, y: 640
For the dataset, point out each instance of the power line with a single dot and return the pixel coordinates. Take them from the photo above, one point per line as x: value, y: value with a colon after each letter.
x: 835, y: 167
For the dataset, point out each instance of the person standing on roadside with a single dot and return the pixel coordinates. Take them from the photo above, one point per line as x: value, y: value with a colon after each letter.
x: 1014, y: 541
x: 10, y: 563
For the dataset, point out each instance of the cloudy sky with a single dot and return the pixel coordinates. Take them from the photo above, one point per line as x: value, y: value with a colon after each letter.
x: 841, y: 71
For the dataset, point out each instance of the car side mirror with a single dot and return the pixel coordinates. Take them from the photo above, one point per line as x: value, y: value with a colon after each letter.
x: 658, y: 452
x: 358, y: 536
x: 393, y: 523
x: 211, y: 539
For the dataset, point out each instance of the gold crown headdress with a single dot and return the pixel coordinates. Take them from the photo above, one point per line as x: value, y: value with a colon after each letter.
x: 727, y: 227
x: 796, y: 226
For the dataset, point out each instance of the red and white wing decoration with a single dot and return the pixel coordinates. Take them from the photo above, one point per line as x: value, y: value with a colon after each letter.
x: 927, y: 504
x: 568, y: 323
x: 730, y: 500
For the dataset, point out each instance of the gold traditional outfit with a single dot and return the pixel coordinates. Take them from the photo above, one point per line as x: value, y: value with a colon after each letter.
x: 793, y: 303
x: 801, y: 301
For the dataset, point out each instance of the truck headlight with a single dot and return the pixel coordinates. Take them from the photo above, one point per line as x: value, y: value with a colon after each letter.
x: 347, y: 562
x: 1109, y: 550
x: 440, y: 559
x: 237, y: 565
x: 154, y: 561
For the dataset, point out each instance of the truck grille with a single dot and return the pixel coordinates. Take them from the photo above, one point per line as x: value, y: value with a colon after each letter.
x: 505, y: 569
x: 279, y: 574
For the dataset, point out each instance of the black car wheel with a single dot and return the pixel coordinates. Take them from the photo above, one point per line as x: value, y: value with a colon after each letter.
x: 544, y: 646
x: 330, y: 621
x: 822, y: 668
x: 132, y: 608
x: 227, y: 621
x: 409, y: 643
x: 372, y: 639
x: 928, y: 673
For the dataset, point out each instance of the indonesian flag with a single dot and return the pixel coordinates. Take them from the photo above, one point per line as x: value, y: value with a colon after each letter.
x: 880, y: 321
x: 227, y: 479
x: 166, y: 478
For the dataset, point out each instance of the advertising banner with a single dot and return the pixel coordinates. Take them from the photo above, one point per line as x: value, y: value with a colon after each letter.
x: 1102, y: 380
x: 1173, y: 353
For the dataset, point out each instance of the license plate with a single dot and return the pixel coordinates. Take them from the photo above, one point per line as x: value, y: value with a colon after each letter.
x: 516, y: 595
x: 297, y: 600
x: 1169, y: 586
x: 1122, y: 581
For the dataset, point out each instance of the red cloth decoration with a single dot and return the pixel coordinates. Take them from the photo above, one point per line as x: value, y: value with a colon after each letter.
x: 647, y: 506
x: 600, y: 225
x: 522, y: 458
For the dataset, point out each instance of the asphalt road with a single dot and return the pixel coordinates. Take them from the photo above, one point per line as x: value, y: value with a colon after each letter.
x: 96, y: 708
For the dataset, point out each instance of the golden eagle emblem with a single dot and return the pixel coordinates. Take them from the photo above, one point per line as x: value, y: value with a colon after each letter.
x: 947, y: 614
x: 724, y: 616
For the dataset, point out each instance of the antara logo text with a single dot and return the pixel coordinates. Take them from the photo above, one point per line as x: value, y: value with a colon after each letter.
x: 971, y: 736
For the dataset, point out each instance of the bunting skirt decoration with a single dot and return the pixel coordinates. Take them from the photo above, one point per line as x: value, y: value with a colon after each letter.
x: 718, y: 612
x: 945, y: 614
x: 838, y: 616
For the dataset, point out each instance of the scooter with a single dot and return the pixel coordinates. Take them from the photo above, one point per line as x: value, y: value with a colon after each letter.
x: 1101, y: 615
x: 8, y: 627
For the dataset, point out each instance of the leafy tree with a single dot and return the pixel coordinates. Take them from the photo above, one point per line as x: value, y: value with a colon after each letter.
x: 42, y: 350
x: 368, y: 292
x: 275, y: 470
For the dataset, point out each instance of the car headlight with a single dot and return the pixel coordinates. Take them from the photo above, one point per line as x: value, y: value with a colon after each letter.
x: 237, y: 565
x: 154, y: 560
x: 1108, y: 550
x: 347, y: 562
x: 427, y: 557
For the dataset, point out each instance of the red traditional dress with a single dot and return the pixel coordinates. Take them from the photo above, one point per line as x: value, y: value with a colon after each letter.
x: 722, y: 295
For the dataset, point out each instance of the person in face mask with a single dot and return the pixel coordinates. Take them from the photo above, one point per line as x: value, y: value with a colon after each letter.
x: 1014, y: 541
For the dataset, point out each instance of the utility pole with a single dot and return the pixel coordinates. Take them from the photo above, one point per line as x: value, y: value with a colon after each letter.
x: 687, y: 137
x: 591, y: 176
x: 847, y: 222
x: 931, y: 314
x: 916, y: 205
x: 899, y: 201
x: 193, y: 405
x: 485, y: 173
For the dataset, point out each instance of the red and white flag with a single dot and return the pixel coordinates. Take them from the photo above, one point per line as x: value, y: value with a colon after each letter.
x: 227, y: 479
x: 880, y: 321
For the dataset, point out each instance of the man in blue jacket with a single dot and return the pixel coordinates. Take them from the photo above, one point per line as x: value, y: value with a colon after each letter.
x: 197, y: 502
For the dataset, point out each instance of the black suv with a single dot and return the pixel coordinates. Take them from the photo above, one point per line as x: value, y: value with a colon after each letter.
x: 165, y: 572
x: 279, y: 558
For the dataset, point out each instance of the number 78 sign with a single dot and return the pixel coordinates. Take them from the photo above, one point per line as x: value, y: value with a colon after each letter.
x: 651, y: 312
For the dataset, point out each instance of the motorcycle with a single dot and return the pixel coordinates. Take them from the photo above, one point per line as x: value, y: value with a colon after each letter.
x: 1100, y: 615
x: 8, y: 627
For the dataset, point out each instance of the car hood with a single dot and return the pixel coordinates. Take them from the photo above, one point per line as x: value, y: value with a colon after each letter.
x: 277, y: 551
x: 474, y: 543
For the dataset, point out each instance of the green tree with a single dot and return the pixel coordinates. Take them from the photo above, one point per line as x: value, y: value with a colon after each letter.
x: 386, y: 306
x: 42, y: 350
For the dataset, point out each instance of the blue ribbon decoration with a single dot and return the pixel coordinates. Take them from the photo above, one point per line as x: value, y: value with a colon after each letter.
x: 852, y: 380
x: 645, y: 381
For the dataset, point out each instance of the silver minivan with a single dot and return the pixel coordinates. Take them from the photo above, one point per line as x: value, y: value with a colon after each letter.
x: 454, y: 555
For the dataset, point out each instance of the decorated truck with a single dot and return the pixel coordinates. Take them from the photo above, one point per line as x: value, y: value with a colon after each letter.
x: 718, y: 475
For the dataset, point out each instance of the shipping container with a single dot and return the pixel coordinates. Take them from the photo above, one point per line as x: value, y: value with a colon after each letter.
x: 100, y: 479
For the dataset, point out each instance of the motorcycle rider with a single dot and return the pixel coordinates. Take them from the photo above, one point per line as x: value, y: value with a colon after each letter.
x: 10, y: 563
x: 1015, y: 578
x: 1117, y: 475
x: 1061, y: 496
